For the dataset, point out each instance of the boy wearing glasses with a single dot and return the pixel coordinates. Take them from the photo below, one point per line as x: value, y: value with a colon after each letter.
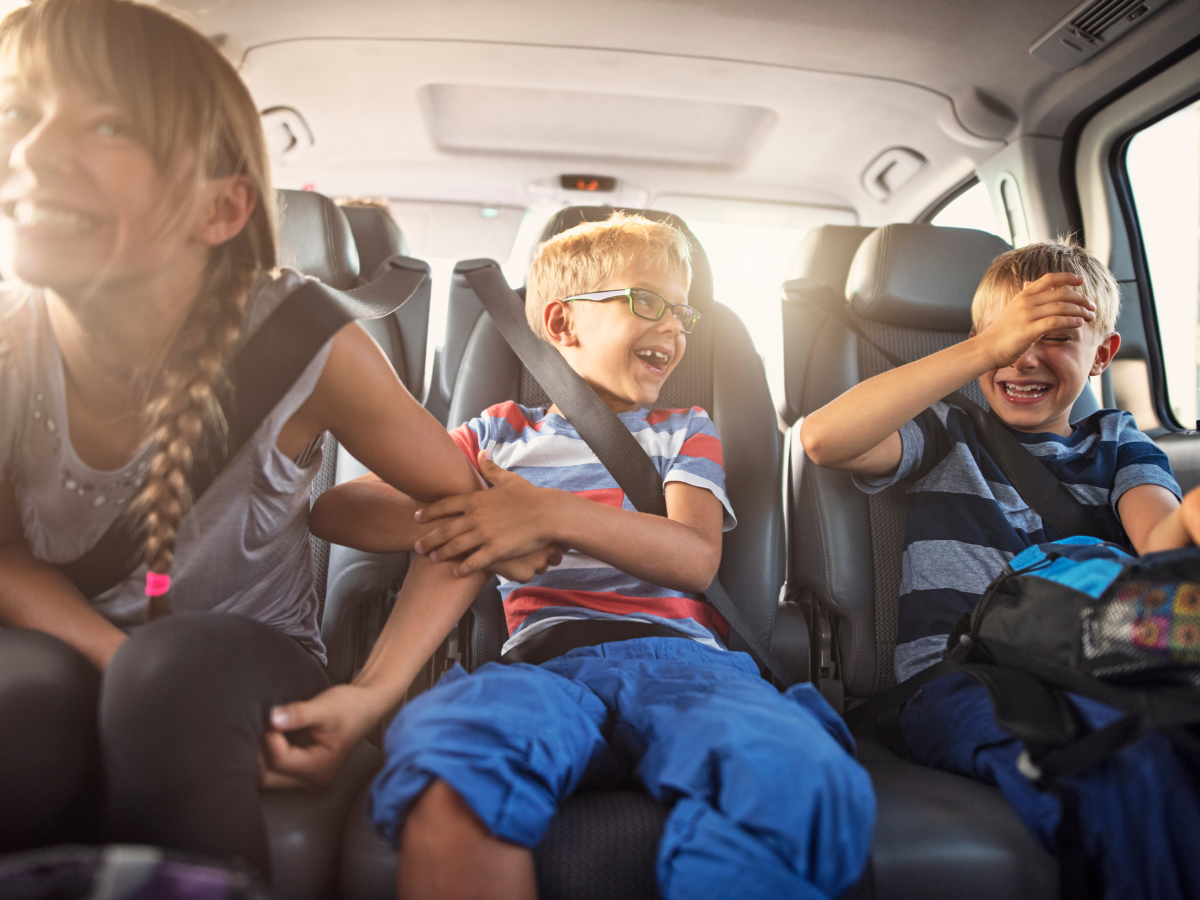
x: 765, y: 799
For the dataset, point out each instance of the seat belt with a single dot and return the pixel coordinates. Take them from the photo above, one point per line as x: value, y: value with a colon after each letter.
x: 263, y: 371
x: 613, y: 443
x: 1045, y: 494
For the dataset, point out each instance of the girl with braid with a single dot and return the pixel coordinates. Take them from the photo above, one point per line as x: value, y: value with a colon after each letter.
x: 134, y: 186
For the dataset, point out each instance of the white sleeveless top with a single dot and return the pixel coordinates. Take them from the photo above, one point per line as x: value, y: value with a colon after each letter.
x: 243, y: 548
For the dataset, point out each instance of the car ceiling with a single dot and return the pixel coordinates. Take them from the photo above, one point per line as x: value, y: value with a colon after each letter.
x: 772, y: 100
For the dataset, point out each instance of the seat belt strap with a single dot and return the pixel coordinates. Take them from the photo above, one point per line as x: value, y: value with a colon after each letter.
x: 263, y: 371
x: 1046, y: 495
x: 614, y: 445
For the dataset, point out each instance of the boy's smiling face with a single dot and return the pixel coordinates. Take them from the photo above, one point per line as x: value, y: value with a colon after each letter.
x: 623, y: 357
x: 1035, y: 394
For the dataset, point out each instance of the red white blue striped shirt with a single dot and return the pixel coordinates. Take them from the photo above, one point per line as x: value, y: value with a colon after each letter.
x: 547, y: 451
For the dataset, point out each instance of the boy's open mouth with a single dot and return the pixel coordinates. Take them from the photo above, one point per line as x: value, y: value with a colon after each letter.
x: 1024, y: 393
x: 654, y: 359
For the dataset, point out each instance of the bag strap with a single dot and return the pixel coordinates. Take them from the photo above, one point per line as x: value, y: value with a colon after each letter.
x: 263, y: 371
x: 613, y: 443
x: 1046, y: 495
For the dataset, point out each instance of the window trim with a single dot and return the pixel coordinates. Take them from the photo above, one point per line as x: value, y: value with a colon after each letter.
x: 1119, y: 174
x: 928, y: 214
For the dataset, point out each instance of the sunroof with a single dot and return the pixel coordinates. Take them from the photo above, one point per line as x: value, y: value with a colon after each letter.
x: 537, y: 122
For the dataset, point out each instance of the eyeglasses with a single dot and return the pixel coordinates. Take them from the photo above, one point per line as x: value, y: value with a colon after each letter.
x: 646, y: 305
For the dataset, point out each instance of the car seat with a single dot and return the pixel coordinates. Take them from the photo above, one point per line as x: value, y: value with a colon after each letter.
x: 322, y: 240
x: 938, y: 836
x: 305, y: 829
x: 824, y: 254
x: 603, y: 845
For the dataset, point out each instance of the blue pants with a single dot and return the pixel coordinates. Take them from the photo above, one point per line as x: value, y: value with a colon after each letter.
x: 1139, y: 809
x: 766, y: 800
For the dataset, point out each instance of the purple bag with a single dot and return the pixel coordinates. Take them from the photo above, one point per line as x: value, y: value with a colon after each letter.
x: 120, y: 872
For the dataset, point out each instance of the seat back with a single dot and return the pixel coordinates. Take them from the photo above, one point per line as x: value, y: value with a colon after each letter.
x: 403, y: 335
x: 909, y: 290
x: 721, y: 372
x: 316, y: 238
x: 825, y: 254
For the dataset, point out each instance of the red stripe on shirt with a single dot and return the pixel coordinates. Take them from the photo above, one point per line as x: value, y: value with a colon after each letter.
x: 468, y: 443
x: 525, y: 601
x: 703, y: 446
x: 661, y: 415
x: 512, y: 414
x: 614, y: 497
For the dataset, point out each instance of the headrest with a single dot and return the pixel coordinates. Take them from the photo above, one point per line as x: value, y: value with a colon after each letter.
x: 376, y: 235
x: 921, y: 276
x: 315, y: 238
x: 826, y: 254
x: 701, y: 293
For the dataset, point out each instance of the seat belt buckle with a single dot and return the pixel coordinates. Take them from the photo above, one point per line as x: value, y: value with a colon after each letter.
x: 827, y: 676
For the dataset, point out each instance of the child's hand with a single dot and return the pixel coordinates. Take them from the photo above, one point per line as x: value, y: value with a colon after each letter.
x: 523, y: 568
x: 1189, y: 514
x: 330, y: 724
x: 510, y: 520
x: 1049, y: 304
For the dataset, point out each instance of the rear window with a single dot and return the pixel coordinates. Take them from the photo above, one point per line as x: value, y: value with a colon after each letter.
x: 970, y: 209
x: 1162, y: 163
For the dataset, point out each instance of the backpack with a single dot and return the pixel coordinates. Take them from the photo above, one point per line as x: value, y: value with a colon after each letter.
x: 1083, y: 616
x: 120, y: 872
x: 1079, y: 616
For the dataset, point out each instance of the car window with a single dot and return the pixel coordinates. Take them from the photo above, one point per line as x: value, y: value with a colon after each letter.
x: 1162, y: 163
x: 970, y: 209
x: 749, y: 263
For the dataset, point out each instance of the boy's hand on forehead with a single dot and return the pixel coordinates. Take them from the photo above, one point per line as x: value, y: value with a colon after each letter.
x: 1052, y: 303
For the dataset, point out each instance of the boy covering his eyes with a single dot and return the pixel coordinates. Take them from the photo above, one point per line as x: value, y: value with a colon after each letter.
x: 1045, y: 318
x: 765, y: 798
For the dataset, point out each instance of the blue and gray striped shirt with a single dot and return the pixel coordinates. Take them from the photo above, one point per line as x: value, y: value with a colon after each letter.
x: 965, y: 521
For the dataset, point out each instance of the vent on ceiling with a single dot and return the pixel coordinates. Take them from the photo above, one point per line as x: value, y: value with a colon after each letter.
x: 1090, y: 28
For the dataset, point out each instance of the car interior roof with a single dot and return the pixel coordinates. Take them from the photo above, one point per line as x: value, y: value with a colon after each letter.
x: 787, y: 101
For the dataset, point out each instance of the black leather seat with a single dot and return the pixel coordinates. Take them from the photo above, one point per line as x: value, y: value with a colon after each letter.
x: 603, y: 845
x: 938, y: 836
x: 825, y: 254
x: 305, y: 829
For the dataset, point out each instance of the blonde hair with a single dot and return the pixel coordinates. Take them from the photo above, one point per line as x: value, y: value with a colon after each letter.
x: 189, y: 107
x: 1007, y: 274
x: 582, y: 258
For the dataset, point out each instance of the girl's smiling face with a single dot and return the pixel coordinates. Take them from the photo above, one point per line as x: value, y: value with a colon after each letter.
x: 82, y: 198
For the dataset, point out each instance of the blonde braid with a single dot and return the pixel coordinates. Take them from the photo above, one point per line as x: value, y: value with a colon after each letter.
x: 185, y: 408
x: 190, y: 109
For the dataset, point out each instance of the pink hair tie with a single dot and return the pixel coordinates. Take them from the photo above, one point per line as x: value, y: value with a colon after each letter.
x: 156, y: 584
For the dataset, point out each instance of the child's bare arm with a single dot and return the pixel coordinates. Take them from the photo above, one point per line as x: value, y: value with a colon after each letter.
x: 858, y: 430
x: 681, y: 552
x: 368, y: 514
x: 1155, y: 520
x: 373, y: 516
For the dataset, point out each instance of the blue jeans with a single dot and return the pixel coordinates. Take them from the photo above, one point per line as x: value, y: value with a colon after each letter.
x: 766, y: 799
x: 1139, y: 809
